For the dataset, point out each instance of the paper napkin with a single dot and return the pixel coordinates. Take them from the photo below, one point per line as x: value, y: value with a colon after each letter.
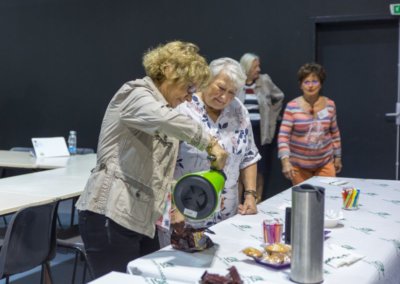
x: 336, y: 256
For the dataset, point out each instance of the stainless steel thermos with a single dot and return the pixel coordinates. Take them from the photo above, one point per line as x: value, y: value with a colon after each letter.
x: 307, y: 234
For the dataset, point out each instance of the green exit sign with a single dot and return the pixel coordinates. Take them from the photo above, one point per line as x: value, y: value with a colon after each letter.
x: 395, y: 9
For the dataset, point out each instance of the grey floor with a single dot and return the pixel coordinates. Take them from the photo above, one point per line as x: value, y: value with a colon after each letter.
x: 61, y: 265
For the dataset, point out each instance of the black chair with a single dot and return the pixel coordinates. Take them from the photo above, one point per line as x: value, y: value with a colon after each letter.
x: 5, y: 221
x: 30, y: 241
x: 71, y: 239
x: 2, y: 234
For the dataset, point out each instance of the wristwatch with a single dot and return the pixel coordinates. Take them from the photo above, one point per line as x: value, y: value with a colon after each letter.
x: 251, y: 192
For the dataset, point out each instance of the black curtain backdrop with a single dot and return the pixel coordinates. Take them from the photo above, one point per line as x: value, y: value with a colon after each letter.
x: 62, y: 60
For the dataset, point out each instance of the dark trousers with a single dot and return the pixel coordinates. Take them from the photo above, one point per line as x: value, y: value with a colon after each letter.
x: 266, y: 158
x: 109, y: 246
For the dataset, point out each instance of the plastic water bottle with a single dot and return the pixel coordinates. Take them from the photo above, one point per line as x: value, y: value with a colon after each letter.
x: 72, y: 140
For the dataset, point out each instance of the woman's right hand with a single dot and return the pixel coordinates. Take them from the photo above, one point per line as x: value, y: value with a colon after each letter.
x: 287, y: 169
x: 215, y: 150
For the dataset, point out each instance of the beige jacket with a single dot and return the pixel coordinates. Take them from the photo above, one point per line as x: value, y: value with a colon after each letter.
x: 270, y: 100
x: 136, y: 157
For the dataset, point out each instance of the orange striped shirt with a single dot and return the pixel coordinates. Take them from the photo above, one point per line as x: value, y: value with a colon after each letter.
x: 309, y: 141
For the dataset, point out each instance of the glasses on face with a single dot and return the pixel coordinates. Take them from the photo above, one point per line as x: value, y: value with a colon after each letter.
x: 311, y: 83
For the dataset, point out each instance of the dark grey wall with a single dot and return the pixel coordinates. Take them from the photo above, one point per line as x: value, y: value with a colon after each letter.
x: 62, y: 60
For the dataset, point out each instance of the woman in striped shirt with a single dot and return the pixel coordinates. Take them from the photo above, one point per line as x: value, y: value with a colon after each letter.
x: 309, y: 137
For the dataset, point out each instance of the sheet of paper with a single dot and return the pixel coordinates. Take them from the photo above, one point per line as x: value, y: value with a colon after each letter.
x: 50, y: 147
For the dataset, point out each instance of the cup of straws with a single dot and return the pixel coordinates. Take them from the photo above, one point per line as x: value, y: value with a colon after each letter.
x: 350, y: 198
x: 272, y: 231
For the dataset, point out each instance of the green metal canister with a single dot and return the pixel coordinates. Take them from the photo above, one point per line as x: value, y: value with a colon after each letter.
x: 198, y: 195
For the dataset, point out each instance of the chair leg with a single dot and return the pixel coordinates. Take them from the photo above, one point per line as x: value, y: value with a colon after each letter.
x: 46, y: 277
x: 73, y: 210
x: 87, y: 267
x: 84, y: 272
x: 75, y: 266
x: 42, y: 274
x: 2, y: 172
x: 59, y: 221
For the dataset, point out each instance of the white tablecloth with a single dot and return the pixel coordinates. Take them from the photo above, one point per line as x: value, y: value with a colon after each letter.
x: 123, y: 278
x: 373, y: 231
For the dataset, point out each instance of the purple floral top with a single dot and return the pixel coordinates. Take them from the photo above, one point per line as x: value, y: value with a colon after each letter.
x: 234, y: 133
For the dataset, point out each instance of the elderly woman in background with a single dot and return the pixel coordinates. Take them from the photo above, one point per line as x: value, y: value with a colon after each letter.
x: 263, y: 99
x: 309, y: 137
x: 137, y: 149
x: 223, y: 116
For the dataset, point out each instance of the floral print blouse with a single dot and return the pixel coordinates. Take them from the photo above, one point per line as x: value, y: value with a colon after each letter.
x: 234, y: 133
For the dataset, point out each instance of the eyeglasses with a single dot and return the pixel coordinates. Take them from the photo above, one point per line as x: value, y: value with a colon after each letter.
x: 311, y: 83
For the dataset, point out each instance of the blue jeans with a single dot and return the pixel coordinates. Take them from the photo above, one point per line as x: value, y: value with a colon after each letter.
x: 109, y: 246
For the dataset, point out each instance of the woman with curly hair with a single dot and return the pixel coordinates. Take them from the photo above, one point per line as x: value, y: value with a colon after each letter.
x: 137, y: 150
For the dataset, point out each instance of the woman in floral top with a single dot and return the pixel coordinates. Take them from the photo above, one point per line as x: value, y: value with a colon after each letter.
x: 226, y: 118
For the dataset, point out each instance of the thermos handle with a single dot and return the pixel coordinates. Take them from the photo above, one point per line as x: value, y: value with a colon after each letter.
x: 319, y: 190
x: 288, y: 224
x: 320, y: 193
x: 307, y: 186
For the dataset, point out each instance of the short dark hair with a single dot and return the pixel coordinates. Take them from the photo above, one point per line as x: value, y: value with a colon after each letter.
x: 311, y: 68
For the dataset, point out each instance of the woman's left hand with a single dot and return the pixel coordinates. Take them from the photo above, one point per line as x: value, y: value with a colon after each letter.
x: 249, y: 206
x: 338, y: 164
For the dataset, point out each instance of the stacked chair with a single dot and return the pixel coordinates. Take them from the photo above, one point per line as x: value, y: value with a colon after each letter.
x: 30, y: 241
x: 70, y: 239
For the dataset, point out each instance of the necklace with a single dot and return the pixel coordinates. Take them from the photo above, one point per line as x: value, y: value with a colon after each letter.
x: 311, y: 101
x: 311, y: 104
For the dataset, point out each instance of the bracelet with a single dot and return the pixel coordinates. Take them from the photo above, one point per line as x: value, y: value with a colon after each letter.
x: 251, y: 192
